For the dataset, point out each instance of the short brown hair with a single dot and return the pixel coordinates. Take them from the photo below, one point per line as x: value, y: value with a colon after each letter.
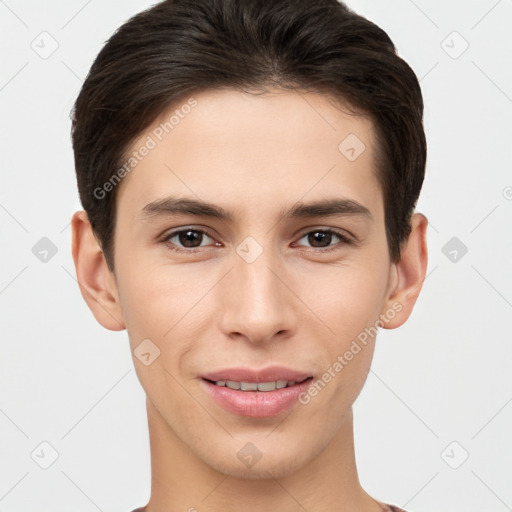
x: 180, y: 47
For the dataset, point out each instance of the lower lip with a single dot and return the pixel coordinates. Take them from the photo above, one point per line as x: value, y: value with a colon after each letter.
x: 257, y: 404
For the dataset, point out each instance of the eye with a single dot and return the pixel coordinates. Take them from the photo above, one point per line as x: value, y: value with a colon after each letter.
x: 320, y: 239
x: 188, y: 238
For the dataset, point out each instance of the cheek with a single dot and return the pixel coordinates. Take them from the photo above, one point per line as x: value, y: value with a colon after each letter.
x: 166, y: 304
x: 157, y: 305
x: 353, y: 298
x: 351, y: 309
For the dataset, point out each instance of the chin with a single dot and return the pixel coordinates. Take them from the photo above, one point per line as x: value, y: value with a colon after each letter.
x: 270, y: 465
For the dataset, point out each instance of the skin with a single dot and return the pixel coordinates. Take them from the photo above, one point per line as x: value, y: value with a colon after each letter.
x: 292, y: 306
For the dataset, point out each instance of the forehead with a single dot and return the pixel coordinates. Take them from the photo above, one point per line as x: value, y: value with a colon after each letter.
x: 236, y: 148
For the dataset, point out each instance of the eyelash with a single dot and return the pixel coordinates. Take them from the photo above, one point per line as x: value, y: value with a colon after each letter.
x: 345, y: 240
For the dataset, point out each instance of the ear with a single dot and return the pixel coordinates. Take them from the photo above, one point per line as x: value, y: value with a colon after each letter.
x: 407, y: 276
x: 96, y: 281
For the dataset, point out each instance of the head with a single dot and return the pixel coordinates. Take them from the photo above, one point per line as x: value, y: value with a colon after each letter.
x: 257, y: 110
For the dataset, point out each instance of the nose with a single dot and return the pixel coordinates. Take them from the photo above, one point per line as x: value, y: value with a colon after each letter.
x: 257, y: 300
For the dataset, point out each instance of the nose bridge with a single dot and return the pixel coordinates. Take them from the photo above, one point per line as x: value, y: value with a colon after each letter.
x: 257, y: 302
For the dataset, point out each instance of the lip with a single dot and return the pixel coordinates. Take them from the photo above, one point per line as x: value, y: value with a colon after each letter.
x: 256, y: 404
x: 262, y: 375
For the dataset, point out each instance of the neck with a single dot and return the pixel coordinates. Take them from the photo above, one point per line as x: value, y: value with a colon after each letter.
x: 182, y: 481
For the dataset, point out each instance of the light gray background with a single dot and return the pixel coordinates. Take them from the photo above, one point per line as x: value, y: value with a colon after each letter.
x: 440, y: 388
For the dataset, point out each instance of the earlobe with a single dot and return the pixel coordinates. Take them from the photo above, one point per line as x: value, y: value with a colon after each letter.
x: 96, y: 281
x: 409, y: 273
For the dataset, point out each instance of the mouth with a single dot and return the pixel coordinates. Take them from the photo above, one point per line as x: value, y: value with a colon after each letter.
x: 256, y: 393
x: 280, y: 375
x: 258, y: 386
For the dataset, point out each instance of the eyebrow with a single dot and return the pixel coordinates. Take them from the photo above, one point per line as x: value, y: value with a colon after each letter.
x: 330, y: 207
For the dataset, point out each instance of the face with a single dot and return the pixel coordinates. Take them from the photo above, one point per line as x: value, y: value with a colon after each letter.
x: 258, y: 284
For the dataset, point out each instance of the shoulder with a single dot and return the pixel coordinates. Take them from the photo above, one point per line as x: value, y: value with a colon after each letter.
x: 391, y: 508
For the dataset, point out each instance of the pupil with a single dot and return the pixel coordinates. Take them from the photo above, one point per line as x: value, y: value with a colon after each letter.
x: 319, y: 236
x: 190, y: 236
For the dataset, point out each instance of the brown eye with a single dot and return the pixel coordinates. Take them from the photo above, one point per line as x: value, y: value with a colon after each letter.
x: 190, y: 238
x: 184, y: 239
x: 321, y: 239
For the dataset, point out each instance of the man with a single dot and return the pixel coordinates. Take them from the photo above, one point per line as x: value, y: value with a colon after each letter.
x: 249, y: 172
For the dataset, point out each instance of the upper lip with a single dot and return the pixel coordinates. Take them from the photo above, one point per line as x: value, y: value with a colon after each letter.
x: 269, y: 374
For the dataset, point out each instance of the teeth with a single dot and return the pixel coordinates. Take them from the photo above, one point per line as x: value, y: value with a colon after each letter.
x: 256, y: 386
x: 266, y: 386
x: 248, y: 386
